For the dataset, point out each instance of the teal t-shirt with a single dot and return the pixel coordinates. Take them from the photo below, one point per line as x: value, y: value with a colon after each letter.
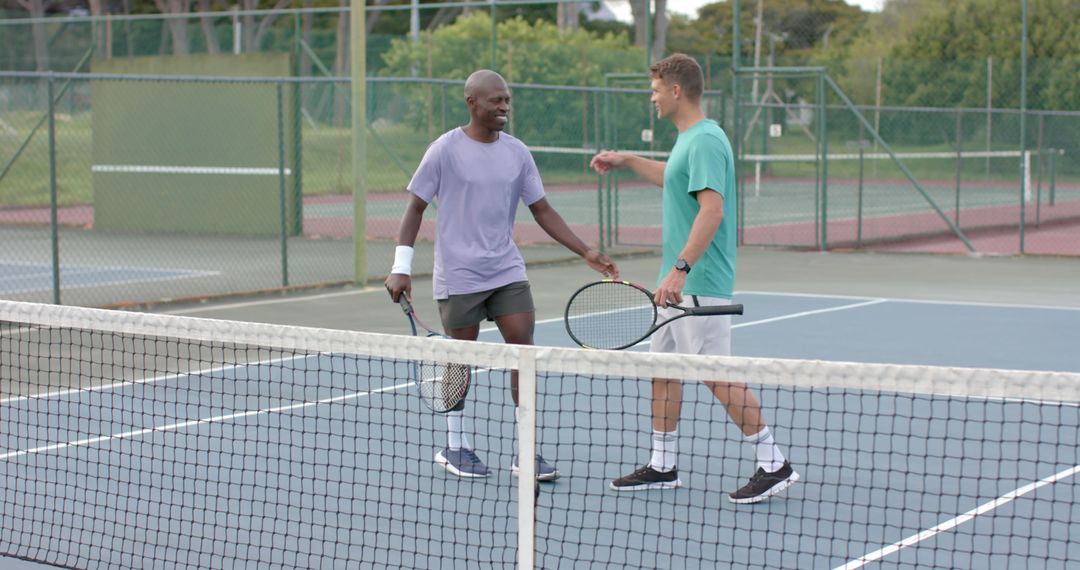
x: 701, y: 159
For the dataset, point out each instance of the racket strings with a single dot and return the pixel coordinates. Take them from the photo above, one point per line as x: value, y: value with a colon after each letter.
x: 610, y: 315
x: 443, y: 385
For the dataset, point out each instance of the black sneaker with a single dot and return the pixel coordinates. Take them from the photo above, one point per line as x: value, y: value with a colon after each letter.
x: 764, y: 485
x: 647, y: 478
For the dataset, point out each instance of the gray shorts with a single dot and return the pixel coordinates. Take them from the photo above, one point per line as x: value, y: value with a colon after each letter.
x: 460, y: 311
x: 694, y: 335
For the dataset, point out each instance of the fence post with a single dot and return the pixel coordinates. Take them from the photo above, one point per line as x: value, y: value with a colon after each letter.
x: 1023, y: 121
x: 279, y: 90
x: 53, y: 198
x: 822, y: 135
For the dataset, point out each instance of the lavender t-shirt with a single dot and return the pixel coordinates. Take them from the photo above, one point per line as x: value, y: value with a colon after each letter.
x: 478, y: 186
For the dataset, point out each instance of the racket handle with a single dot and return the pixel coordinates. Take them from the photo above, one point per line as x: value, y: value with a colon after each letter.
x: 715, y: 310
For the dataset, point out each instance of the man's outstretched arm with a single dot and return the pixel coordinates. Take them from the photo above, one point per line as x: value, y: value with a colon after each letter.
x: 552, y: 223
x: 651, y: 170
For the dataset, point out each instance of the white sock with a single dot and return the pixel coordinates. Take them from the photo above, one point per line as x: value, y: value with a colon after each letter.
x: 664, y: 450
x: 768, y: 453
x: 455, y: 430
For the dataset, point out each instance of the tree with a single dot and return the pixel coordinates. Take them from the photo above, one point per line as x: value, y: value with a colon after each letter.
x: 951, y: 44
x: 641, y: 13
x: 177, y: 26
x: 37, y: 9
x: 808, y: 28
x: 528, y: 52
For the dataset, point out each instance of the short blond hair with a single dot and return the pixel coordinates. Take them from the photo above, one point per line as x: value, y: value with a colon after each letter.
x: 682, y: 70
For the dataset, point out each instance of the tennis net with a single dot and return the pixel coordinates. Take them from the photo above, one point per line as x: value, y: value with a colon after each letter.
x: 138, y: 440
x: 860, y: 197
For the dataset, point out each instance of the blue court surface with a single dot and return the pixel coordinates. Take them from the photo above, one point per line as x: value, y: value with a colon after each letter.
x: 19, y: 277
x: 324, y: 461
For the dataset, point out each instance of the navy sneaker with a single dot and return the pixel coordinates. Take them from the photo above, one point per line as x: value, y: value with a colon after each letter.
x: 764, y: 485
x: 647, y: 478
x: 462, y: 462
x: 544, y: 470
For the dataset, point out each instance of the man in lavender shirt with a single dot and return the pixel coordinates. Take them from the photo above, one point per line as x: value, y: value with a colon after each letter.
x: 478, y: 173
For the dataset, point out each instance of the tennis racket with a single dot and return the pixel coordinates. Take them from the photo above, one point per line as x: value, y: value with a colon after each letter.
x: 614, y: 315
x: 441, y: 385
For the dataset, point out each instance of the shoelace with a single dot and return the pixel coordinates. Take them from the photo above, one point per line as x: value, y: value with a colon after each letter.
x: 758, y: 476
x: 539, y: 461
x: 470, y: 455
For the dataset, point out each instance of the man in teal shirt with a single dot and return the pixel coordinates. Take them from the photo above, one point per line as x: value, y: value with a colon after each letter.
x: 699, y: 263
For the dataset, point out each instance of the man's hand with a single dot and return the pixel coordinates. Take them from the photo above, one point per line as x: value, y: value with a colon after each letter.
x: 609, y: 160
x: 602, y: 263
x: 670, y: 289
x: 398, y: 284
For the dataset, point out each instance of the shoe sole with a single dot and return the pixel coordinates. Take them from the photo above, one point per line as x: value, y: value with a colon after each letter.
x: 545, y: 477
x: 648, y: 486
x: 772, y: 492
x: 442, y: 461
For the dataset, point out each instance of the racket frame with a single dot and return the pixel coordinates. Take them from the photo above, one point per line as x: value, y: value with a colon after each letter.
x: 713, y: 310
x: 416, y: 366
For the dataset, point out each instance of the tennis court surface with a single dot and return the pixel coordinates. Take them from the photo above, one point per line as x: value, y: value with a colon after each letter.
x: 139, y: 440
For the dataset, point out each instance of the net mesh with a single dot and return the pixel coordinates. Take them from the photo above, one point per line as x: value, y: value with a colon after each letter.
x: 868, y: 200
x: 136, y: 440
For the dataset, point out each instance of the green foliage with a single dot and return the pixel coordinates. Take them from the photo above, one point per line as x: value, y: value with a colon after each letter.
x: 802, y: 28
x: 935, y: 54
x: 527, y: 52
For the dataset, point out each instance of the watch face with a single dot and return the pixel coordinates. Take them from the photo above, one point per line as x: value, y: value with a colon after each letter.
x: 682, y: 265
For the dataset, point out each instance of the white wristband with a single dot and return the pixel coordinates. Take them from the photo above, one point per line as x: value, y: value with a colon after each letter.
x: 402, y: 260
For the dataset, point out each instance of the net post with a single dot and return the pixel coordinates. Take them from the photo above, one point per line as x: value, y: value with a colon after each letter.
x: 1053, y: 174
x: 959, y: 163
x: 526, y: 458
x: 859, y: 197
x: 1027, y: 175
x: 1039, y: 161
x: 757, y: 178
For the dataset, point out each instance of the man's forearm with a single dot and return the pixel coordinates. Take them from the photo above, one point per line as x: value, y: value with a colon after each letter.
x: 650, y: 170
x: 410, y: 223
x: 553, y: 224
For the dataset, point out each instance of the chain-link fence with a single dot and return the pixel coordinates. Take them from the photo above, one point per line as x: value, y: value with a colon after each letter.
x: 140, y: 188
x: 820, y: 172
x: 855, y: 153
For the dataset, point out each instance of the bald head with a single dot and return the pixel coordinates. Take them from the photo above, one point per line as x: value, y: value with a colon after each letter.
x: 488, y: 98
x: 482, y: 82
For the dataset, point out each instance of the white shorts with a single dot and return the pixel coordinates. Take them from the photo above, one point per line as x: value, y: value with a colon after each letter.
x: 694, y: 335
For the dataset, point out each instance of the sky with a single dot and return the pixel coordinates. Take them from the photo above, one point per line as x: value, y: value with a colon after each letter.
x: 690, y: 7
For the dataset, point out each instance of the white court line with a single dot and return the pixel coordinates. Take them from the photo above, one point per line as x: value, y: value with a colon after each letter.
x: 152, y: 380
x: 809, y: 295
x: 798, y: 315
x: 273, y: 301
x: 90, y: 284
x: 912, y: 300
x: 809, y: 313
x: 188, y: 423
x: 152, y: 169
x: 957, y: 521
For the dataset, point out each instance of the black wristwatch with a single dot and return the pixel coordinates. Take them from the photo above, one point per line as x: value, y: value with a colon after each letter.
x: 682, y: 265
